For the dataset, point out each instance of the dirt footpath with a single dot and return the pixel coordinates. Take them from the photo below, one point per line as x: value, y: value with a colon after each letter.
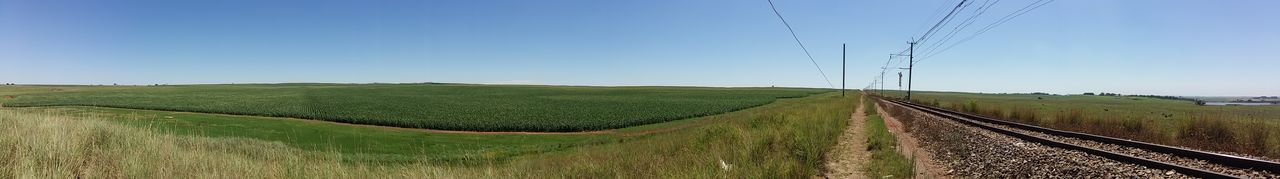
x: 850, y: 153
x: 910, y: 147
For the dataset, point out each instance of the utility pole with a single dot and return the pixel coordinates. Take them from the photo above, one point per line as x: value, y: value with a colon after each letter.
x: 843, y: 48
x: 911, y: 68
x: 882, y: 69
x: 900, y: 80
x: 881, y: 85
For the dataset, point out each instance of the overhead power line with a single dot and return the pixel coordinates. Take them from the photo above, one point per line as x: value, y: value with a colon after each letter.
x: 942, y: 21
x: 937, y: 13
x: 929, y: 48
x: 806, y: 50
x: 1001, y: 21
x: 982, y: 9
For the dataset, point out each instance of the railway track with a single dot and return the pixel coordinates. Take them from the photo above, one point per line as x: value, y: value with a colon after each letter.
x: 1189, y: 162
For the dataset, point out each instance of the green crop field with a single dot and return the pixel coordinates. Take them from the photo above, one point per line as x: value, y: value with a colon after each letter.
x: 783, y: 139
x: 429, y: 106
x: 355, y: 143
x: 1252, y: 130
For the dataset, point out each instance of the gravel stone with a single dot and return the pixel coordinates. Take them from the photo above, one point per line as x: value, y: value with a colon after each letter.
x: 970, y: 152
x: 1195, y: 163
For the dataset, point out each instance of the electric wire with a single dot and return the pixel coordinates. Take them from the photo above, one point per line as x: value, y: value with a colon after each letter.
x: 944, y: 19
x: 997, y: 23
x: 982, y: 9
x: 797, y: 38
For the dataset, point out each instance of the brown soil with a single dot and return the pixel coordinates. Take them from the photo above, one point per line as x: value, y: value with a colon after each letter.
x: 850, y: 153
x: 910, y: 146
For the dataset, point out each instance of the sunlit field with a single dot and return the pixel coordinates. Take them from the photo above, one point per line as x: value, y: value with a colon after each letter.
x: 786, y: 138
x: 1251, y: 130
x: 428, y: 106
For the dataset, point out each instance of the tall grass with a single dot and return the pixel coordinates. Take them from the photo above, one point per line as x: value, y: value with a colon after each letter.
x: 47, y: 146
x: 782, y: 140
x: 786, y: 139
x: 885, y: 162
x: 1252, y: 130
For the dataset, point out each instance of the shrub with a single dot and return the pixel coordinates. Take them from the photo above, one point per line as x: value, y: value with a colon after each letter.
x: 1205, y: 132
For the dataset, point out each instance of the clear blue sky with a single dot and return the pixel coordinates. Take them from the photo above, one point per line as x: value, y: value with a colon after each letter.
x: 1178, y: 47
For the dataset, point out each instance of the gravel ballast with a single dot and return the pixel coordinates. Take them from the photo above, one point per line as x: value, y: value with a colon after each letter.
x: 971, y: 152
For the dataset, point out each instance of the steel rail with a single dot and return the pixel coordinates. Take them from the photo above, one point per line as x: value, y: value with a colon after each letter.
x: 1223, y: 159
x: 966, y: 119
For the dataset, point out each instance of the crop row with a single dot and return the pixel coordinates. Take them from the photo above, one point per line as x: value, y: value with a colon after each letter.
x: 434, y: 106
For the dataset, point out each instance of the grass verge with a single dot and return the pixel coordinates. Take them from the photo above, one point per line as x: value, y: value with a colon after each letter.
x: 885, y: 162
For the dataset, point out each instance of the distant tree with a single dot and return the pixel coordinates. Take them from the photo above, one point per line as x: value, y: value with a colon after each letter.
x: 1089, y: 94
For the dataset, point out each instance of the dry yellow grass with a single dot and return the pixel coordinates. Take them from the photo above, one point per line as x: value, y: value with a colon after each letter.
x: 47, y: 146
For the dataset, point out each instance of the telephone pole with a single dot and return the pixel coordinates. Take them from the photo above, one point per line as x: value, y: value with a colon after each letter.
x: 911, y: 67
x: 842, y: 68
x: 881, y: 85
x: 882, y: 69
